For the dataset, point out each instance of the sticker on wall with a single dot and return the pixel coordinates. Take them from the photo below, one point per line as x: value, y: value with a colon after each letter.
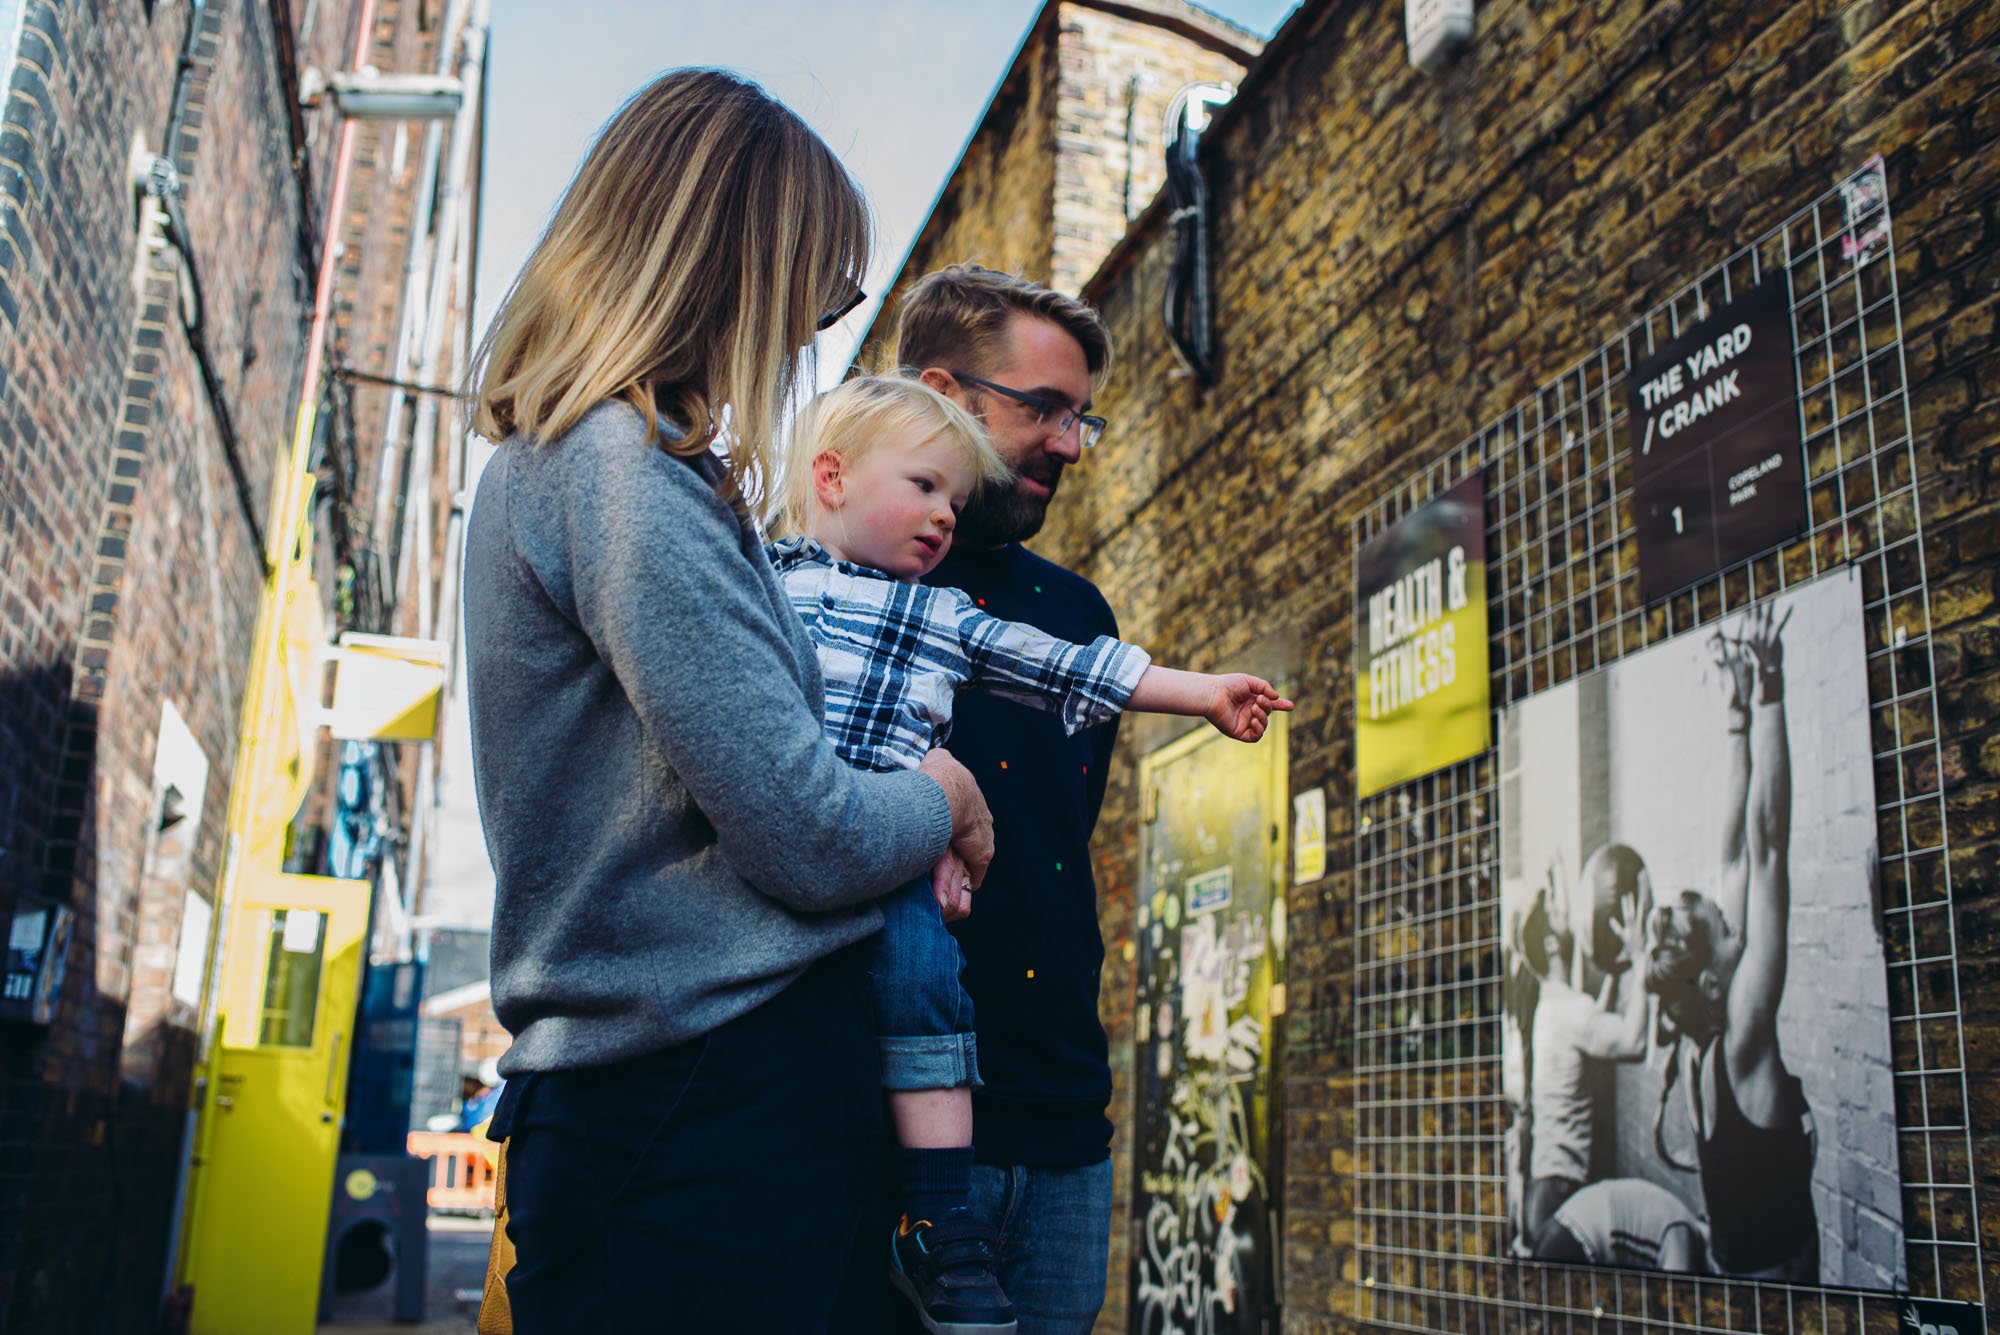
x: 1434, y: 30
x: 1420, y: 700
x: 1208, y: 891
x: 1718, y: 474
x: 1308, y: 836
x: 1862, y: 197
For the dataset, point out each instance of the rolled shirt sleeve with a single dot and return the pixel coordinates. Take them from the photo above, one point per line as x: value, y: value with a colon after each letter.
x: 1083, y: 684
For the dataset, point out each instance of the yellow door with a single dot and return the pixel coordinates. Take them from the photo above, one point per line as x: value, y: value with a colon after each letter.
x: 1211, y: 975
x: 271, y: 1126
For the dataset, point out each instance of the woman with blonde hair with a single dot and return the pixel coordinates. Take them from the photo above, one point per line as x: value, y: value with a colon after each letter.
x: 683, y: 866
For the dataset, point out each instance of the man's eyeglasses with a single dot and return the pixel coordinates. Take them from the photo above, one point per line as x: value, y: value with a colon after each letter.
x: 839, y: 313
x: 1089, y: 428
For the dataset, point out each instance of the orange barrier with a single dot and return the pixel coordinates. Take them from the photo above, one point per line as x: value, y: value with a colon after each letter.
x: 462, y: 1167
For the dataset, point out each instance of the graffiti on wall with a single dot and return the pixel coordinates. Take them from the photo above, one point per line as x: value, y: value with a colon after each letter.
x: 1211, y: 935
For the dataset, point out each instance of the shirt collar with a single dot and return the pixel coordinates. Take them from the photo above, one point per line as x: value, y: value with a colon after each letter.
x: 789, y: 553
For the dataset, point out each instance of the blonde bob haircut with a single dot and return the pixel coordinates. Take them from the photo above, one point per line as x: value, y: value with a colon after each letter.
x: 853, y: 418
x: 683, y: 272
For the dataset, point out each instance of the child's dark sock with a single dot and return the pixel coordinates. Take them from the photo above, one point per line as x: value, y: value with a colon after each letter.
x: 934, y: 1182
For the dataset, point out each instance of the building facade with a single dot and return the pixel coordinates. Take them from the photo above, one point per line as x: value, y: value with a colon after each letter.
x: 1421, y: 278
x: 166, y: 214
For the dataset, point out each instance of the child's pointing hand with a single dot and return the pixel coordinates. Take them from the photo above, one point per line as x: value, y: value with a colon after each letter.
x: 1242, y: 705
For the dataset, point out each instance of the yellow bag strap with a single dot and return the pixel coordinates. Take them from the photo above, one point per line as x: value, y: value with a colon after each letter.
x: 496, y: 1316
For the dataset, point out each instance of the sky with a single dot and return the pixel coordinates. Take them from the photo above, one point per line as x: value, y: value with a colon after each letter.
x: 894, y: 86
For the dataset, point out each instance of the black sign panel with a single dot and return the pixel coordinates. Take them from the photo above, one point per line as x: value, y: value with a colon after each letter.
x: 1718, y: 474
x: 1934, y: 1316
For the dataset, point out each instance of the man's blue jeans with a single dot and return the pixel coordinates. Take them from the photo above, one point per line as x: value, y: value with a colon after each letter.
x: 1055, y: 1240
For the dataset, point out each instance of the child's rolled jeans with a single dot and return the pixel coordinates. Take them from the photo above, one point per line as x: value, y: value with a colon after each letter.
x: 925, y: 1014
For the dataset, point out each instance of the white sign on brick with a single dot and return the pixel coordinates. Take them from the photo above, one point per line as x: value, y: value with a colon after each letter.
x: 1436, y: 29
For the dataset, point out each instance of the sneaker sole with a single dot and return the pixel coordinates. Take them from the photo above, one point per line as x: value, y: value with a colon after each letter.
x: 909, y: 1290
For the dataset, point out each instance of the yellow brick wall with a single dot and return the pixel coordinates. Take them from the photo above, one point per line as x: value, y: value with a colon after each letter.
x: 1040, y: 190
x: 1400, y: 258
x: 1114, y: 70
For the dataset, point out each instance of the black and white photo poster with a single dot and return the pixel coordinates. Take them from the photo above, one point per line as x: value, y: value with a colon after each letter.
x: 1696, y: 1043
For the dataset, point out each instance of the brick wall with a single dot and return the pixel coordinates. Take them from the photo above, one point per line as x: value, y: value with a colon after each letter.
x: 130, y: 561
x: 1399, y: 258
x: 996, y: 208
x: 1117, y: 80
x: 1042, y: 187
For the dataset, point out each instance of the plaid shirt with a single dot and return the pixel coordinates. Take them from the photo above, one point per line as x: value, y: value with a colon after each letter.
x: 894, y: 654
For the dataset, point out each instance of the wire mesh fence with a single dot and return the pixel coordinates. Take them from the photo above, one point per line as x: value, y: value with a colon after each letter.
x: 1564, y: 600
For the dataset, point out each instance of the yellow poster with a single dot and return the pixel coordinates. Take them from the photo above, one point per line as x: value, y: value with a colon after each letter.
x: 1308, y: 836
x: 1420, y: 689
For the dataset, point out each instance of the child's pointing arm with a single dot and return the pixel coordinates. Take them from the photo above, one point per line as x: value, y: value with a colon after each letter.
x: 1237, y: 703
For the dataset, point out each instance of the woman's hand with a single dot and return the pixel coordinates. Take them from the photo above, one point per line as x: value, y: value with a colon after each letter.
x: 953, y: 887
x: 971, y: 821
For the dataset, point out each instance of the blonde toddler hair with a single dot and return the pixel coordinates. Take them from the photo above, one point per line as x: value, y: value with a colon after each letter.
x: 852, y: 418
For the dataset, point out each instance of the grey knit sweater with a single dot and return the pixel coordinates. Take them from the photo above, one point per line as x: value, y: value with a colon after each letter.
x: 673, y: 839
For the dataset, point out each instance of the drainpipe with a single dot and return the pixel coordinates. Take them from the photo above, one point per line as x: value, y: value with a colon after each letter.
x: 455, y: 478
x: 411, y: 321
x: 413, y: 564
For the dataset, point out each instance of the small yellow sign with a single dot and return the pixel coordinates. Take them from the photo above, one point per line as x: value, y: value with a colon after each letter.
x: 361, y: 1185
x: 1308, y: 836
x: 386, y: 688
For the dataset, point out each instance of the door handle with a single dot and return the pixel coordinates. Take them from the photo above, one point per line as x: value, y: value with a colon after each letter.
x: 333, y: 1065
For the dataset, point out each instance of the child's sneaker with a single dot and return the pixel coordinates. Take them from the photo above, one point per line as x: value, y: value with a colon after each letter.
x: 946, y: 1271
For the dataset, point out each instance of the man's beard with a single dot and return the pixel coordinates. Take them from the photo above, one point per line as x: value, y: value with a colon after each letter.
x: 997, y: 515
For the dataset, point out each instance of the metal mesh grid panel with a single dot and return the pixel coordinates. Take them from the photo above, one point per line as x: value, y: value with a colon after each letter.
x: 1563, y: 599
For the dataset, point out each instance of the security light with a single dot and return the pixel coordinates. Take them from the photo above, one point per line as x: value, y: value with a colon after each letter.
x: 369, y: 94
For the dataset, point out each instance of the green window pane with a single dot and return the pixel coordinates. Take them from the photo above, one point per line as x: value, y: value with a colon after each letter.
x: 291, y: 978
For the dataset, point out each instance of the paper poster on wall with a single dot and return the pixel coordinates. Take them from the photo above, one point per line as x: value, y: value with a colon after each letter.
x: 1717, y: 470
x: 1308, y: 836
x: 1696, y: 1040
x: 1420, y: 699
x: 1862, y: 196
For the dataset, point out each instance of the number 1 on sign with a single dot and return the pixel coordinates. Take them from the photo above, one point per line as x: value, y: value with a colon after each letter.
x: 1677, y: 520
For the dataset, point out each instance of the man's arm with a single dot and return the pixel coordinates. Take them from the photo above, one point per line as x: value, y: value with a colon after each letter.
x: 1617, y: 1031
x: 1759, y: 982
x: 1560, y: 902
x: 1738, y: 671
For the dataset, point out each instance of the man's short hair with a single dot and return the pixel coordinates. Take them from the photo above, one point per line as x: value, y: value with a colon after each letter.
x: 956, y: 319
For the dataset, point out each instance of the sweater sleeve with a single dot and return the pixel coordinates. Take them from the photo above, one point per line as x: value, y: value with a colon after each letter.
x: 679, y: 605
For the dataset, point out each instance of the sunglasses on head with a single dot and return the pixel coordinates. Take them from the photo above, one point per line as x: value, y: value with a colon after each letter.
x: 839, y: 313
